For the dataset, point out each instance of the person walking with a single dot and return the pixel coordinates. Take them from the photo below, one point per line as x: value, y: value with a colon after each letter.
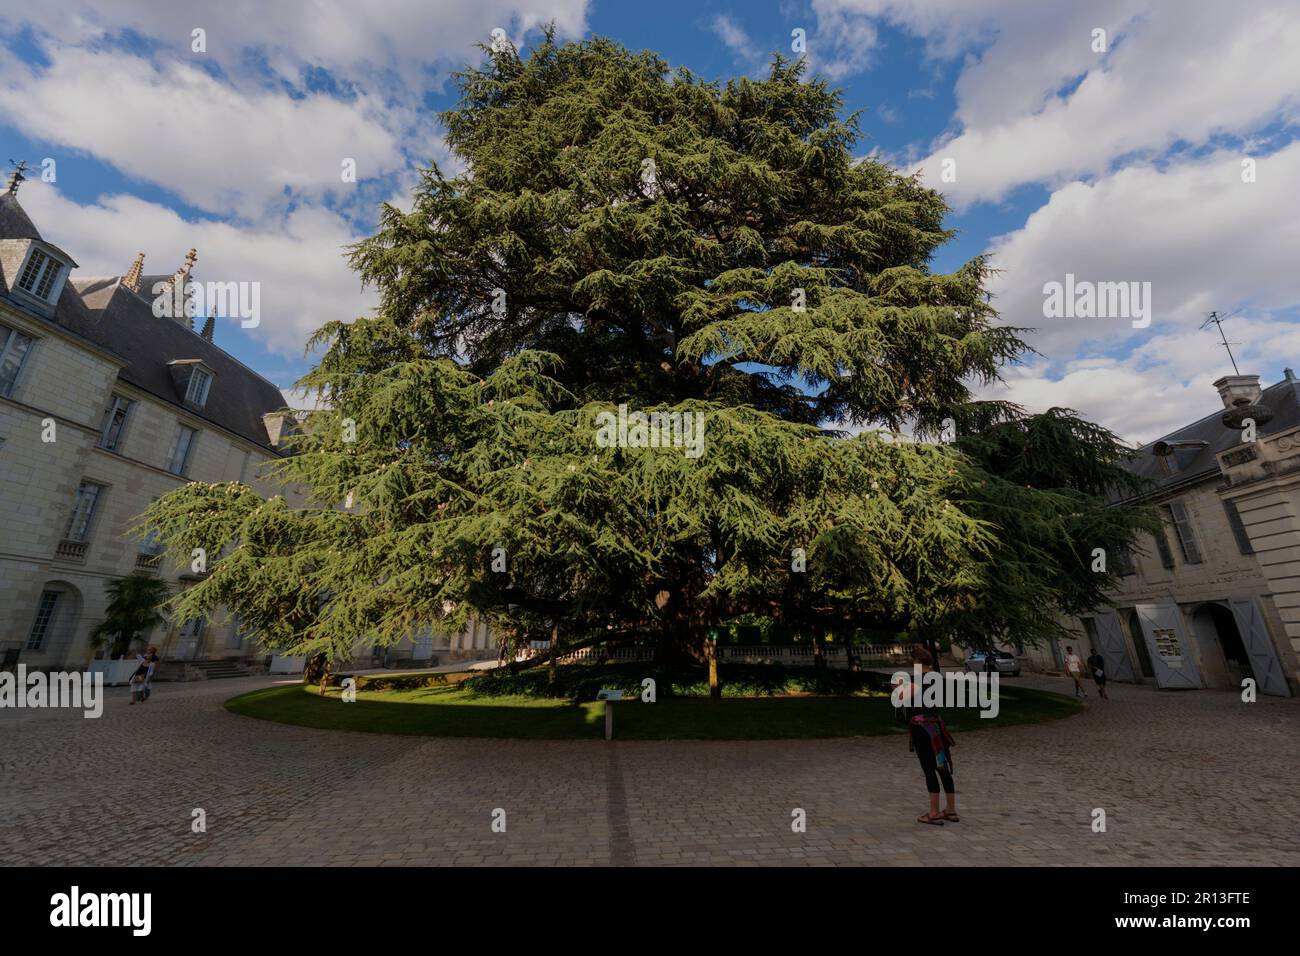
x: 928, y: 737
x: 1097, y: 664
x: 1074, y: 667
x: 151, y: 660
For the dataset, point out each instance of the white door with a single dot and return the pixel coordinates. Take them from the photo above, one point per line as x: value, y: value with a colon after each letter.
x: 189, y: 639
x: 1171, y: 652
x: 1259, y: 647
x: 1112, y: 647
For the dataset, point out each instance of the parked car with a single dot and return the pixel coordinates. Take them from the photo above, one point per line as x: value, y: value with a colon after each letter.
x: 1004, y: 661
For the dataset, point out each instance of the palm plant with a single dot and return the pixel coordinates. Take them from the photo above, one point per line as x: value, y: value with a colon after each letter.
x: 132, y: 612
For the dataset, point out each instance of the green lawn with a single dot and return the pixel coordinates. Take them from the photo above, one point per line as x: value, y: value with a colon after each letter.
x: 453, y: 712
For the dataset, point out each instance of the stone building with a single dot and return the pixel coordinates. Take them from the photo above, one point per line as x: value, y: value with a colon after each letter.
x: 1215, y: 597
x: 104, y: 407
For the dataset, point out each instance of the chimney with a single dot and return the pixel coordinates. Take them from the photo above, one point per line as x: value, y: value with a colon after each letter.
x: 1238, y: 390
x: 132, y: 278
x: 280, y: 427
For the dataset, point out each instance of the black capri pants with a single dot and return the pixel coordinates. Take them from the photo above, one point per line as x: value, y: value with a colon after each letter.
x: 933, y: 773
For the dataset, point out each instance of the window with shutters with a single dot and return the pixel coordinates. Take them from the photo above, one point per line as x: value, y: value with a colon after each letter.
x: 1238, y: 528
x: 1182, y: 522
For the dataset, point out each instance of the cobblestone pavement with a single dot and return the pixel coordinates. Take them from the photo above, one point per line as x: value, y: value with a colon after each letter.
x: 1190, y: 778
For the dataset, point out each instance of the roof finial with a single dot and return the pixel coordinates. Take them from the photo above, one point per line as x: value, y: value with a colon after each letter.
x: 210, y: 325
x: 179, y: 279
x: 132, y: 278
x: 16, y: 177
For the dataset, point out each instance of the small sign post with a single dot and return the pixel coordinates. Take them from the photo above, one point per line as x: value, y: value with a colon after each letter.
x: 609, y: 696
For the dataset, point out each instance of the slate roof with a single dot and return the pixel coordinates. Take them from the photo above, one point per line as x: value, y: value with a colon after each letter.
x: 1283, y: 399
x: 124, y: 322
x: 105, y: 313
x: 14, y: 222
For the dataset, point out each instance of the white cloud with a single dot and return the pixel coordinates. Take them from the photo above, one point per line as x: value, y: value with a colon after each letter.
x: 218, y: 147
x: 732, y: 36
x: 403, y: 38
x: 842, y: 43
x: 1037, y: 105
x: 1162, y: 386
x: 1204, y: 239
x: 258, y: 148
x: 298, y: 260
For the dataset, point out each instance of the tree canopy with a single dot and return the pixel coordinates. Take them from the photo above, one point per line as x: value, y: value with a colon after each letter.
x: 622, y: 233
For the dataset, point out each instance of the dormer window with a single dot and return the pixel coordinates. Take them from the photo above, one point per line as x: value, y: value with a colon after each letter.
x: 40, y: 275
x: 197, y: 392
x: 193, y: 381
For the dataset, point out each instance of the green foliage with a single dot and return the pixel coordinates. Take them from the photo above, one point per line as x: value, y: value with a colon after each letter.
x: 378, y: 682
x: 652, y: 234
x: 133, y: 611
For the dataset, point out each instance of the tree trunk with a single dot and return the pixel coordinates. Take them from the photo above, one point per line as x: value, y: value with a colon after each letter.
x: 555, y: 652
x: 819, y: 660
x: 715, y: 687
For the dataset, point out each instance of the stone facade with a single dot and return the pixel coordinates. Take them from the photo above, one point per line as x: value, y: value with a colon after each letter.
x: 52, y: 440
x: 1219, y: 599
x: 82, y: 349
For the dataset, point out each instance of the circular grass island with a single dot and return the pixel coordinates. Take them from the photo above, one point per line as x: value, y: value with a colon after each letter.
x: 759, y: 702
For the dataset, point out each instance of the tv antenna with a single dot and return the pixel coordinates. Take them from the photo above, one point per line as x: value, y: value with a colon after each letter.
x: 1216, y: 319
x: 16, y: 177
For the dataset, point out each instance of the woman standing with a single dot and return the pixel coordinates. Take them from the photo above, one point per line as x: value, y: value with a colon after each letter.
x: 929, y: 738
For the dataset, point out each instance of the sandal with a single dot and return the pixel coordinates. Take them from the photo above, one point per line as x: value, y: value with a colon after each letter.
x: 933, y: 821
x: 951, y: 815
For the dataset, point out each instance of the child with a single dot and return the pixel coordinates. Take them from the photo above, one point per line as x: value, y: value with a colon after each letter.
x: 137, y: 681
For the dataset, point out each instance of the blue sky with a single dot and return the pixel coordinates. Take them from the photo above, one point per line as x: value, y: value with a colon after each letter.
x: 1113, y: 158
